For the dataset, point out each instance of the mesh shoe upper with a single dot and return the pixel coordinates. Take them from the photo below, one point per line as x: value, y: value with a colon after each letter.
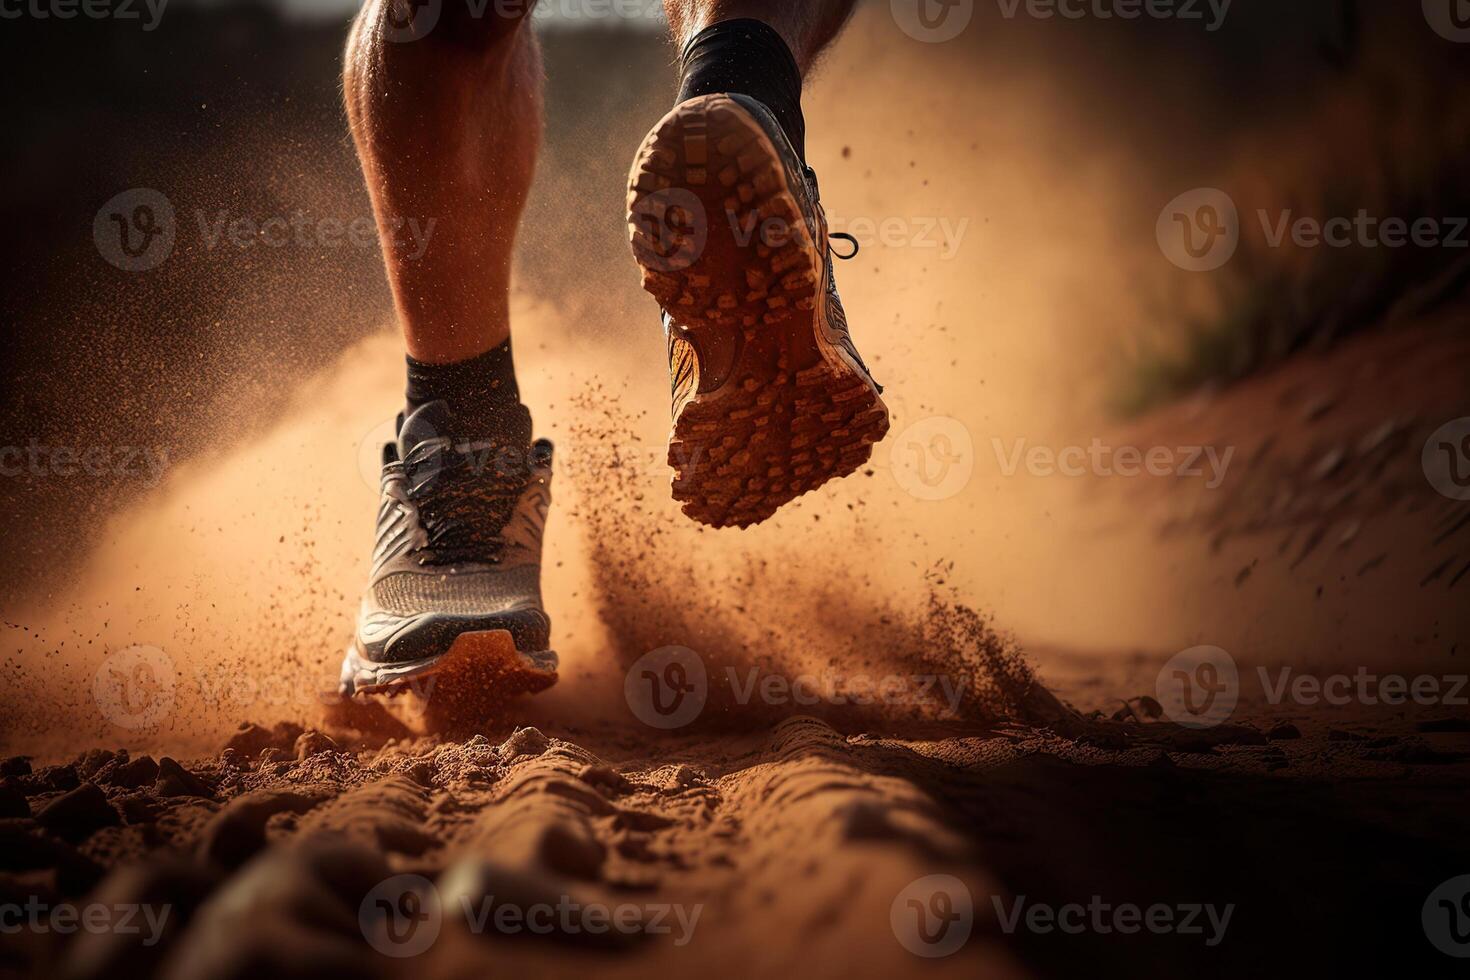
x: 458, y: 547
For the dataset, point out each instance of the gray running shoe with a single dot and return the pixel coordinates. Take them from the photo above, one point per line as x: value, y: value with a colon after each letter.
x: 457, y: 563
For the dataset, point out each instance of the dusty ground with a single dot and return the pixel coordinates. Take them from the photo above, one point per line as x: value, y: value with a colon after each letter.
x: 793, y: 841
x: 789, y: 838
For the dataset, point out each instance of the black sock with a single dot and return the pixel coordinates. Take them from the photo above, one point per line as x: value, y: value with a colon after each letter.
x: 481, y: 393
x: 748, y: 57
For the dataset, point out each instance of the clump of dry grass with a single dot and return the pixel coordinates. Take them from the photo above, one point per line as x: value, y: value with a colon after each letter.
x: 1388, y: 136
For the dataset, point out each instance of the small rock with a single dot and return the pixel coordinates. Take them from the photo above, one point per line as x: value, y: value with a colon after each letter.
x: 525, y: 741
x: 139, y: 808
x: 313, y: 743
x: 606, y: 778
x: 1150, y: 707
x: 25, y: 847
x: 174, y: 780
x: 1284, y: 732
x: 237, y: 833
x: 250, y: 740
x: 76, y: 815
x: 90, y: 761
x: 421, y: 773
x: 685, y: 776
x: 16, y: 765
x: 285, y: 733
x: 134, y: 774
x: 50, y: 779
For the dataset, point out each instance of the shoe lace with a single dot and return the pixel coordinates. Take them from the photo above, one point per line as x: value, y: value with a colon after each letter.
x: 841, y: 236
x: 465, y: 498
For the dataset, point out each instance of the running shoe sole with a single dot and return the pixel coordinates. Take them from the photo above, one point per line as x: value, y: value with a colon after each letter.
x: 478, y: 674
x: 795, y: 410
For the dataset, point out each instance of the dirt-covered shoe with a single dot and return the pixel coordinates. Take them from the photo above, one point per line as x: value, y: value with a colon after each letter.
x: 770, y: 397
x: 456, y: 573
